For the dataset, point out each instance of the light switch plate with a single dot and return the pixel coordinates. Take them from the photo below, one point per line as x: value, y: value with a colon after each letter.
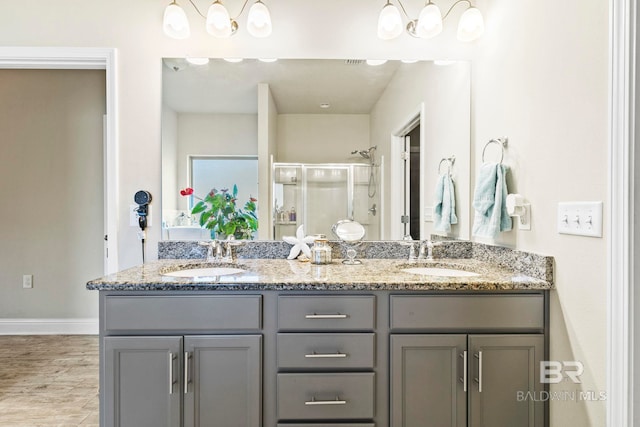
x: 580, y: 218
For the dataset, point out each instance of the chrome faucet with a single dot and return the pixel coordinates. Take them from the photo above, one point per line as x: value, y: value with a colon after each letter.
x: 214, y: 250
x: 426, y: 250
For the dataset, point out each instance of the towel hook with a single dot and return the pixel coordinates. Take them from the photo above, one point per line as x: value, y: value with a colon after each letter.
x: 502, y: 142
x: 450, y: 161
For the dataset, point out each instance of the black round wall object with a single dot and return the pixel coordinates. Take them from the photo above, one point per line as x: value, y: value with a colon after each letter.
x: 142, y: 197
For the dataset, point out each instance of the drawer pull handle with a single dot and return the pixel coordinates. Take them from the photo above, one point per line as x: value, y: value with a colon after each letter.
x: 463, y: 380
x: 479, y: 379
x: 172, y: 357
x: 337, y: 401
x: 325, y: 316
x: 325, y: 355
x: 187, y: 356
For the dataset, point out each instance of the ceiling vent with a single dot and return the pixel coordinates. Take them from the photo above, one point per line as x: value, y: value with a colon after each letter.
x: 354, y: 61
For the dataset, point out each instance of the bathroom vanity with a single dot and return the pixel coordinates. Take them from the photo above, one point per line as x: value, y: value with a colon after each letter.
x: 290, y: 344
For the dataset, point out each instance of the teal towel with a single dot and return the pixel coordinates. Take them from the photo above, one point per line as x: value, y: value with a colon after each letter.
x: 489, y: 201
x: 444, y: 211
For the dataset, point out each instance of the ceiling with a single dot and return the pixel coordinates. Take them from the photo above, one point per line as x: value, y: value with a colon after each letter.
x: 297, y: 85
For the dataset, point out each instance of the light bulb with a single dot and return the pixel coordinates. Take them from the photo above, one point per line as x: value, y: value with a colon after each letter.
x: 175, y: 23
x: 218, y: 20
x: 471, y: 25
x: 259, y: 20
x: 389, y: 22
x: 430, y: 22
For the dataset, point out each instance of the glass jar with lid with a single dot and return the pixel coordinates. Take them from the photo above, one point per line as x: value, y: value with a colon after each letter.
x: 321, y: 251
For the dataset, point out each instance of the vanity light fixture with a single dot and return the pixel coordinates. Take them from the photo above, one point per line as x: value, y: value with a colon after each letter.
x: 218, y: 22
x: 267, y: 59
x: 197, y: 60
x: 233, y: 60
x: 376, y: 62
x: 429, y: 22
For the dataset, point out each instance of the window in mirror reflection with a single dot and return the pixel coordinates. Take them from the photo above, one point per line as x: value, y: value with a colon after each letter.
x: 223, y: 172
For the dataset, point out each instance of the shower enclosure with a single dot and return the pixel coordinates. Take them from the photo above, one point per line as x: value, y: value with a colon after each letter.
x: 319, y: 195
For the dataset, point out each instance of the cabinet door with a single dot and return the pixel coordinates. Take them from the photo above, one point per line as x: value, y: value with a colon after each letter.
x: 142, y: 381
x: 224, y: 381
x: 503, y: 367
x: 427, y: 381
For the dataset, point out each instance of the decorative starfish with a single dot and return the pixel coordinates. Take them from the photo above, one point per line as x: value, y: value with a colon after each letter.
x: 300, y: 243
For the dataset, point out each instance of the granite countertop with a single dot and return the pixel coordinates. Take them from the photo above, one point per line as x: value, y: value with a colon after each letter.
x: 280, y: 274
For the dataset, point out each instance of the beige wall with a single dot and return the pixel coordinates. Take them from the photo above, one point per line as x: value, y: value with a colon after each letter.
x: 545, y: 87
x: 51, y: 189
x: 321, y: 138
x: 169, y: 160
x: 539, y: 77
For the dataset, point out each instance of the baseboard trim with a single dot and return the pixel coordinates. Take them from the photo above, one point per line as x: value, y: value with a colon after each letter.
x: 48, y: 326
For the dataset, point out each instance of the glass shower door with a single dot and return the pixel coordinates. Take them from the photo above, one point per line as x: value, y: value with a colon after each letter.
x: 328, y: 197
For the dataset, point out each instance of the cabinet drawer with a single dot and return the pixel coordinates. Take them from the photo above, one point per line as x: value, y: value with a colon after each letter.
x: 326, y: 313
x: 326, y: 396
x: 333, y: 351
x: 468, y: 312
x: 182, y: 313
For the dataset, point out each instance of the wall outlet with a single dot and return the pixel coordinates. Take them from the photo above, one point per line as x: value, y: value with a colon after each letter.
x: 27, y: 281
x: 428, y: 213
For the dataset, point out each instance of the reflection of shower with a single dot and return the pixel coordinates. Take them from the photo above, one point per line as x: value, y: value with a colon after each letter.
x: 369, y: 154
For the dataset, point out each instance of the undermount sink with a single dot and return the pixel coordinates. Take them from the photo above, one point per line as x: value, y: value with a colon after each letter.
x: 205, y: 272
x: 436, y: 271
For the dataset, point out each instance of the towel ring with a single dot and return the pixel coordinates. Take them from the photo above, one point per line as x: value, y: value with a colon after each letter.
x: 502, y: 142
x: 450, y: 161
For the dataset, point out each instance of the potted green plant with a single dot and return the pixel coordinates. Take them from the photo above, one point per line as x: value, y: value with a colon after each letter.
x: 219, y: 213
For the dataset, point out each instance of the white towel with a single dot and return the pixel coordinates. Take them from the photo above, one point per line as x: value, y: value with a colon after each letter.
x: 444, y: 211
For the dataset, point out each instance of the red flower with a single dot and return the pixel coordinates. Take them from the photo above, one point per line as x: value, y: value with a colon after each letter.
x: 186, y: 192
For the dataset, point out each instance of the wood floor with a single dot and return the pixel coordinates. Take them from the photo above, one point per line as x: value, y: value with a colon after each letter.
x: 48, y: 380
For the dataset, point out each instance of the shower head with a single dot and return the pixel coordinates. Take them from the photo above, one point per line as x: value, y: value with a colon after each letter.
x: 366, y: 154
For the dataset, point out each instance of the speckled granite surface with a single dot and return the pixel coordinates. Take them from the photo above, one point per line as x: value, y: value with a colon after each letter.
x: 281, y: 274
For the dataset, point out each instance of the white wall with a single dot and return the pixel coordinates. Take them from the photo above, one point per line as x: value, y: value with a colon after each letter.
x: 444, y: 94
x: 540, y: 78
x: 169, y: 160
x: 51, y: 187
x: 321, y: 138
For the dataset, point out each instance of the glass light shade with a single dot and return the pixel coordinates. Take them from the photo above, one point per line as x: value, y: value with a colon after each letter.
x: 376, y: 62
x: 259, y: 20
x: 218, y: 20
x: 430, y: 22
x: 175, y: 23
x: 471, y: 25
x: 197, y: 60
x: 389, y: 22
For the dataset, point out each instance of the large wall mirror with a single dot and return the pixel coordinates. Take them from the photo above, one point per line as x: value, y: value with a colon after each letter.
x: 333, y: 139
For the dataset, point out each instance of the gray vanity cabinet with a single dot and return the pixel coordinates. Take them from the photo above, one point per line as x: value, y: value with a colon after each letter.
x: 215, y: 379
x: 425, y: 390
x: 460, y: 380
x: 142, y: 384
x: 502, y: 367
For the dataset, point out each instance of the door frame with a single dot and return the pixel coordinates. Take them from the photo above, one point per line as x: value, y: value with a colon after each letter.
x: 416, y: 117
x: 80, y: 58
x: 623, y: 364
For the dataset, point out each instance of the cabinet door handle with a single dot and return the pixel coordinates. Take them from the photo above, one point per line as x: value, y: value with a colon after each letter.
x: 171, y: 381
x: 337, y: 401
x: 325, y: 316
x: 479, y: 379
x: 464, y: 371
x: 325, y: 355
x: 186, y: 371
